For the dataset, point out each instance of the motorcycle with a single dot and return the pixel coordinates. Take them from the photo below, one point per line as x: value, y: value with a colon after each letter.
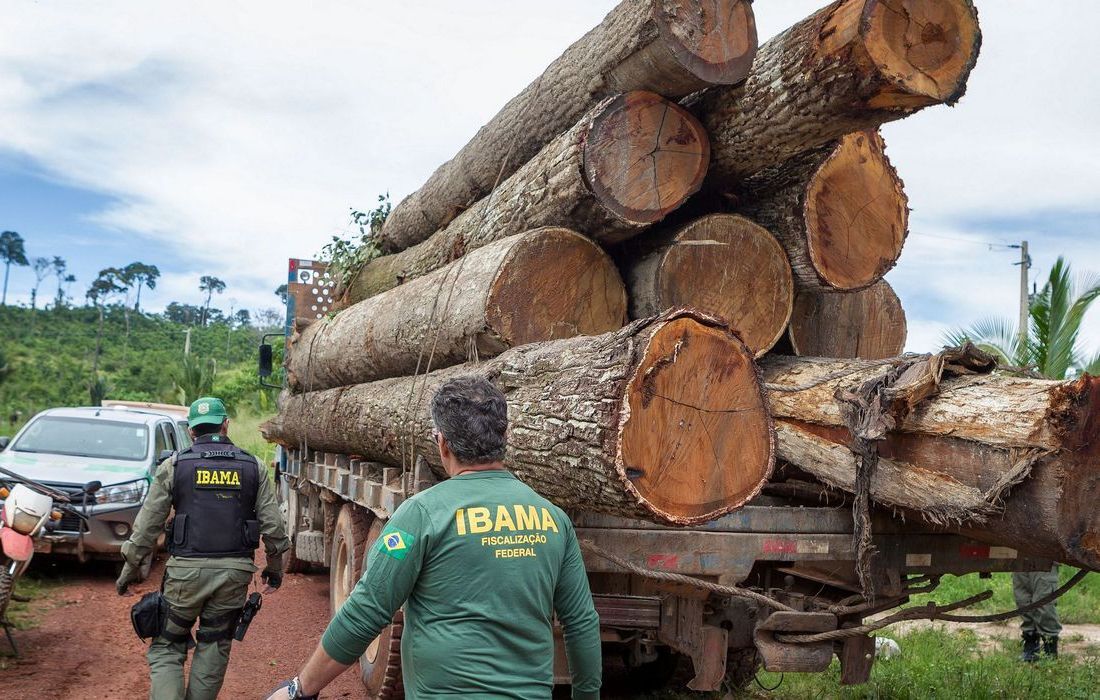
x: 29, y: 510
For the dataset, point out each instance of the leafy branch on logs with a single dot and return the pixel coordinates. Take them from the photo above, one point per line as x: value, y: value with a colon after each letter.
x: 346, y: 256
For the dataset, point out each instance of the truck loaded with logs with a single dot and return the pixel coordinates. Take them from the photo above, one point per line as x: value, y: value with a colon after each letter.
x: 668, y: 252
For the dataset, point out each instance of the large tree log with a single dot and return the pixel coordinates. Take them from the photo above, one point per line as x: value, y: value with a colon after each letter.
x: 663, y: 419
x: 540, y: 285
x: 852, y: 65
x: 721, y: 264
x: 624, y: 166
x: 670, y: 47
x: 840, y: 212
x: 1007, y: 460
x: 868, y: 324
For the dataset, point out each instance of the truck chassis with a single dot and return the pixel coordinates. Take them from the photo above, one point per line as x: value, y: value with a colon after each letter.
x: 792, y: 543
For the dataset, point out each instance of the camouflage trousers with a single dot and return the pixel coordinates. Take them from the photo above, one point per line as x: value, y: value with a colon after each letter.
x: 213, y: 597
x: 1029, y: 586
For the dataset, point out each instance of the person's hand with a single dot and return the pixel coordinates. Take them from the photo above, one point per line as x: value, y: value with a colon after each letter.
x: 129, y: 575
x: 273, y: 579
x: 290, y: 690
x: 282, y: 692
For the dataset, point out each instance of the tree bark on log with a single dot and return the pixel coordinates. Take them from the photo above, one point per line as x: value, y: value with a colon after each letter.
x: 1006, y: 460
x: 540, y: 285
x: 670, y: 47
x: 630, y: 161
x: 852, y: 65
x: 721, y: 264
x: 840, y: 212
x: 664, y: 419
x: 868, y: 324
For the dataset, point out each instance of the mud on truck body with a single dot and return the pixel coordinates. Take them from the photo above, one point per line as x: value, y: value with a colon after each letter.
x: 792, y: 543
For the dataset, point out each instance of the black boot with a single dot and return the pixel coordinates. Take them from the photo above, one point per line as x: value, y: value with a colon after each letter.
x: 1031, y: 647
x: 1050, y: 647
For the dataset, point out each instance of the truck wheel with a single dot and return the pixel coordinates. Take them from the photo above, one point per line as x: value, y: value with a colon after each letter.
x: 7, y: 586
x: 658, y: 674
x: 741, y: 667
x: 352, y: 537
x: 289, y: 504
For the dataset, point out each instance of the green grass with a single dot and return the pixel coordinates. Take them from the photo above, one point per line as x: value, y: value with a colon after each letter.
x: 939, y: 664
x: 25, y: 615
x: 1081, y: 604
x: 244, y: 431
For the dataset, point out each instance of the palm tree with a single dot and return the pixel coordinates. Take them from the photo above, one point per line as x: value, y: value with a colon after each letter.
x: 194, y: 377
x: 99, y: 294
x: 142, y: 275
x: 1055, y: 315
x: 41, y: 270
x: 11, y: 251
x: 60, y: 267
x: 210, y: 285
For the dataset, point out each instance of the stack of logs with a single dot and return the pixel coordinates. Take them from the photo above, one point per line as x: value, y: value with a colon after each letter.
x: 668, y: 251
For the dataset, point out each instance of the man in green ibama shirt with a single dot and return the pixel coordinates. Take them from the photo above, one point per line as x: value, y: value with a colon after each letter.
x: 482, y: 565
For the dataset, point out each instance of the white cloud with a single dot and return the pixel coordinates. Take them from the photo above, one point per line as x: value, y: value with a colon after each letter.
x: 234, y: 136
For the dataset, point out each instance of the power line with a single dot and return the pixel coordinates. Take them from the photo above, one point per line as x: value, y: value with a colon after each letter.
x: 972, y: 241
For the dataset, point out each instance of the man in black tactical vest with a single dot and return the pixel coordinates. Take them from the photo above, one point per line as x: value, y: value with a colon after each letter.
x: 224, y: 501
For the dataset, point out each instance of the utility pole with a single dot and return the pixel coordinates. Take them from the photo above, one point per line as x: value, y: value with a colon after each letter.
x: 187, y: 342
x: 1025, y: 265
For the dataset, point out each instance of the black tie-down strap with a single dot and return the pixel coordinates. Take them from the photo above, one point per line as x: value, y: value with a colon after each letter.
x: 218, y: 627
x: 183, y: 635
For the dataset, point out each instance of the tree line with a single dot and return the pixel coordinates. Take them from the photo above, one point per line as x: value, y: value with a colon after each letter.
x: 122, y: 286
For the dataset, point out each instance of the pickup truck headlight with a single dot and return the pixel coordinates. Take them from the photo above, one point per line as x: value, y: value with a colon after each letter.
x: 130, y: 492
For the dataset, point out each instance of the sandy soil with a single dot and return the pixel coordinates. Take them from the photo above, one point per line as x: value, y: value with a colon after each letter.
x: 83, y: 645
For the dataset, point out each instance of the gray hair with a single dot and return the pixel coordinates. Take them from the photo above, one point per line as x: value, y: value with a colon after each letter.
x: 472, y: 415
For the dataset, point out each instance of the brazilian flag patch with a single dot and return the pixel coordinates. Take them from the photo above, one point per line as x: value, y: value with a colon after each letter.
x: 396, y: 543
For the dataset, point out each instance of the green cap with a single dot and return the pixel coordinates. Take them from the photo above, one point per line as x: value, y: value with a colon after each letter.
x: 207, y: 410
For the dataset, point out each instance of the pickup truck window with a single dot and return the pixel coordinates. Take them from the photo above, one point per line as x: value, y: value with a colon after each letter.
x: 183, y: 435
x: 164, y: 440
x: 84, y: 437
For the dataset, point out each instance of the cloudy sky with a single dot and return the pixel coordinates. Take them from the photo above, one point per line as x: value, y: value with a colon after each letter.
x: 222, y: 138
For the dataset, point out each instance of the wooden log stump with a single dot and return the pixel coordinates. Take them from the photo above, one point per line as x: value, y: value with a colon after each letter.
x: 630, y: 161
x: 840, y: 212
x: 853, y: 65
x: 663, y: 419
x: 1006, y: 460
x: 540, y: 285
x: 721, y: 264
x: 868, y: 324
x: 670, y: 47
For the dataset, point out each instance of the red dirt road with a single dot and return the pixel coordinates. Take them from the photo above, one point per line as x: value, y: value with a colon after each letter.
x: 83, y: 645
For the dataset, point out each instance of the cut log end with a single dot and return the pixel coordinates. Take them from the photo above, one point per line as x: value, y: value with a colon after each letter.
x: 924, y: 48
x: 856, y: 213
x: 868, y: 324
x: 1076, y: 411
x: 726, y: 265
x: 713, y: 40
x: 529, y: 300
x: 644, y: 156
x: 696, y: 436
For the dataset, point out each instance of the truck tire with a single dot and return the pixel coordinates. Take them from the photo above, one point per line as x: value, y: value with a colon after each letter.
x: 352, y: 537
x: 7, y: 587
x: 289, y: 505
x: 658, y: 675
